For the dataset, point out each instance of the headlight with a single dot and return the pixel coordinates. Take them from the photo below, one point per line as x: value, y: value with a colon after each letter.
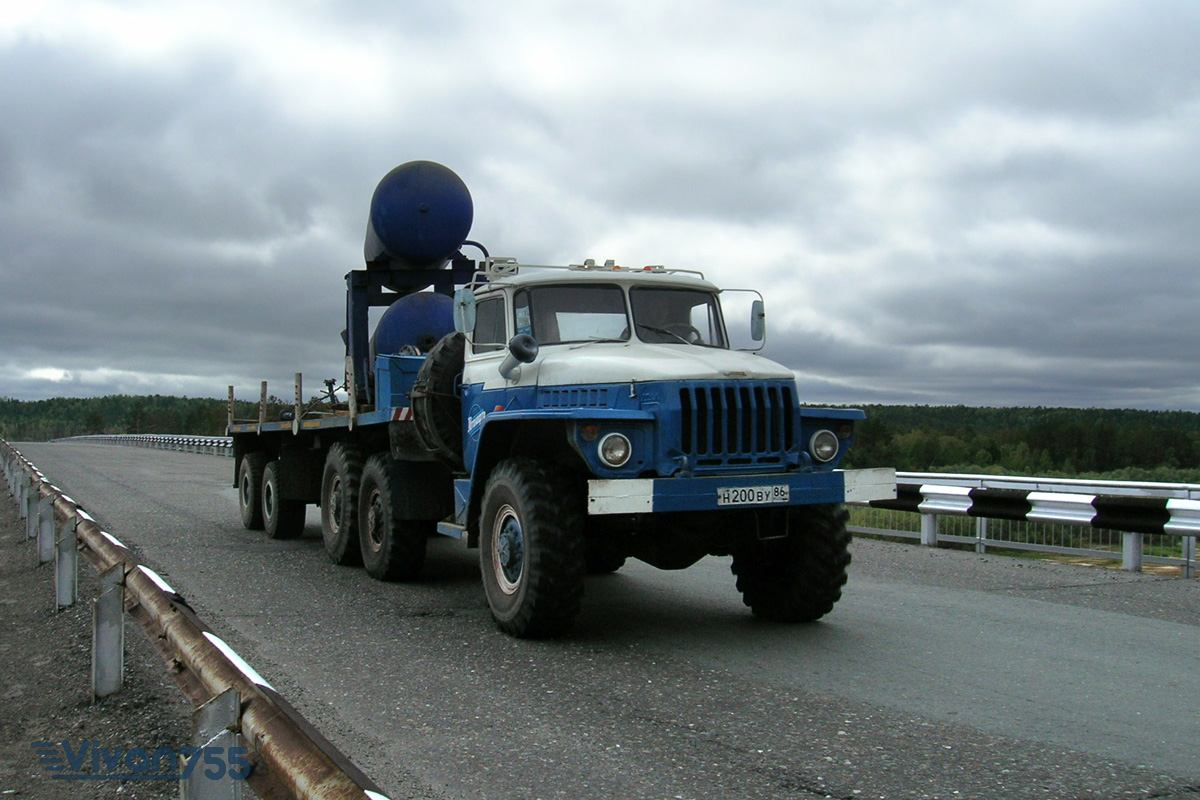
x: 823, y: 445
x: 615, y: 450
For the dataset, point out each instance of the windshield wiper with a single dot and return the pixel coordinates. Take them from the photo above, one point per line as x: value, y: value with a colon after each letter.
x: 600, y: 340
x: 665, y: 332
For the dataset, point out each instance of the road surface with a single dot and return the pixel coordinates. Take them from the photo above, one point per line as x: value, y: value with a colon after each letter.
x: 940, y: 674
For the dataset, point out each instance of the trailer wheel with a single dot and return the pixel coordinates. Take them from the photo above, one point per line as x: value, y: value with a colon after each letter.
x: 392, y: 549
x: 798, y: 578
x: 250, y: 481
x: 531, y: 549
x: 436, y: 404
x: 282, y: 519
x: 339, y: 504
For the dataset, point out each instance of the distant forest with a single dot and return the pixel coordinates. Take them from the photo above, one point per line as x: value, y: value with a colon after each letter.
x: 57, y: 418
x: 1058, y: 442
x: 1112, y: 444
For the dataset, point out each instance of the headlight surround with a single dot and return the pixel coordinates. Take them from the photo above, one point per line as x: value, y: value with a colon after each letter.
x: 615, y: 449
x: 823, y: 446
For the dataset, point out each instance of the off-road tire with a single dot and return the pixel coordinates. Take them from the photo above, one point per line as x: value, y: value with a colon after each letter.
x: 339, y: 504
x: 531, y: 548
x: 436, y: 404
x: 250, y: 475
x: 798, y: 578
x: 282, y: 519
x: 392, y: 549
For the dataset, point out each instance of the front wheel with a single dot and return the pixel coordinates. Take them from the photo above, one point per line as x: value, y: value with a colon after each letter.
x: 392, y: 549
x: 799, y: 577
x: 531, y: 549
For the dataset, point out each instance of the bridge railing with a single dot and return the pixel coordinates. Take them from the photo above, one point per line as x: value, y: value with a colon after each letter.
x: 1137, y: 522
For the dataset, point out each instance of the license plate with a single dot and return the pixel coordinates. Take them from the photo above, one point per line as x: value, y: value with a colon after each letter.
x: 752, y: 495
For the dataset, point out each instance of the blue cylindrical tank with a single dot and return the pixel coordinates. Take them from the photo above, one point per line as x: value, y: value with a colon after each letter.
x: 421, y: 213
x: 419, y: 320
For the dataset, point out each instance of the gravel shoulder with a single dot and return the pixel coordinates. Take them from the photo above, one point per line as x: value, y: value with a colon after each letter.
x: 45, y: 684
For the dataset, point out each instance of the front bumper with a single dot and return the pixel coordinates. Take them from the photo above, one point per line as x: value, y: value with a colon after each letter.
x: 651, y: 495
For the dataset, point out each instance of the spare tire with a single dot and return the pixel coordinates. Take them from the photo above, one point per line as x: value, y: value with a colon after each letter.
x: 436, y: 402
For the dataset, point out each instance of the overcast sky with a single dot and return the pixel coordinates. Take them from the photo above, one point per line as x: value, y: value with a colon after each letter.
x: 944, y: 202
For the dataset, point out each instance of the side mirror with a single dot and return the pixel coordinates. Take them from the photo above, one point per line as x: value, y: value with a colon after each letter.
x: 758, y: 321
x: 464, y: 311
x: 522, y: 349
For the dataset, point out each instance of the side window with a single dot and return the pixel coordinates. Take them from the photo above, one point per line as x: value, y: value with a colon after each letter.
x: 521, y: 306
x: 489, y: 331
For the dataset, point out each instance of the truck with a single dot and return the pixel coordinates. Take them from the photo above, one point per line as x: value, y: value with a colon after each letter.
x: 561, y: 420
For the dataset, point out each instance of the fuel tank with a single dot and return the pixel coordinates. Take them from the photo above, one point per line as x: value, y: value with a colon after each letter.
x: 420, y: 216
x: 416, y: 320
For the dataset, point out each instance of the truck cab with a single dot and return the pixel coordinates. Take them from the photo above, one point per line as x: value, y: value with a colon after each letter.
x: 620, y: 388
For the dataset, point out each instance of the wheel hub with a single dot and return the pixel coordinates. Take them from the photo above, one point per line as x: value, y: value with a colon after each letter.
x: 508, y: 550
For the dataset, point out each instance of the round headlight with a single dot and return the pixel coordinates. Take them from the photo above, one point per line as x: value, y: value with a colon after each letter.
x: 615, y: 450
x: 824, y: 446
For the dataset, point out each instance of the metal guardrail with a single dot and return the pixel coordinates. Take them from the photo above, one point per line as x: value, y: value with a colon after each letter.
x: 1136, y: 510
x: 288, y: 756
x: 210, y: 445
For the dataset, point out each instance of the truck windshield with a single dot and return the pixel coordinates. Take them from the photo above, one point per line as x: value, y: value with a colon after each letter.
x: 677, y: 316
x: 572, y: 313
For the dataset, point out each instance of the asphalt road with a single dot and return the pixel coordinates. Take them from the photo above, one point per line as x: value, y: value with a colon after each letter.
x: 940, y: 673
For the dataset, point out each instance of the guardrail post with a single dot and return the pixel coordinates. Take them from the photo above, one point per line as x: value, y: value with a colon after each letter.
x: 66, y: 560
x: 45, y: 529
x: 215, y: 725
x: 981, y: 534
x: 929, y: 530
x: 1131, y: 552
x: 108, y: 633
x: 1189, y: 556
x: 30, y: 508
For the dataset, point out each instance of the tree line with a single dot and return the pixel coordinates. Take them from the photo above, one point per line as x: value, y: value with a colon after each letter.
x: 60, y: 417
x: 1114, y: 444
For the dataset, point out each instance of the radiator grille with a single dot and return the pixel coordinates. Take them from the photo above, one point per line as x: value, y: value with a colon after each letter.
x: 583, y: 397
x: 732, y: 424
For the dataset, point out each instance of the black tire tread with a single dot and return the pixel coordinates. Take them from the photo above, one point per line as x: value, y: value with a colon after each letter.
x: 342, y: 546
x: 402, y: 554
x: 800, y: 578
x: 252, y: 467
x: 288, y: 521
x: 437, y: 408
x: 555, y: 569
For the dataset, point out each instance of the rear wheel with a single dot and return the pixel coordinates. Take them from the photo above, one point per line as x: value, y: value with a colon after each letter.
x: 392, y: 549
x: 339, y: 504
x: 282, y: 519
x: 531, y: 549
x: 797, y: 578
x: 250, y: 481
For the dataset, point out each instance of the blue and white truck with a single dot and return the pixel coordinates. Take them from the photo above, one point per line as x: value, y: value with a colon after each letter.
x: 560, y: 420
